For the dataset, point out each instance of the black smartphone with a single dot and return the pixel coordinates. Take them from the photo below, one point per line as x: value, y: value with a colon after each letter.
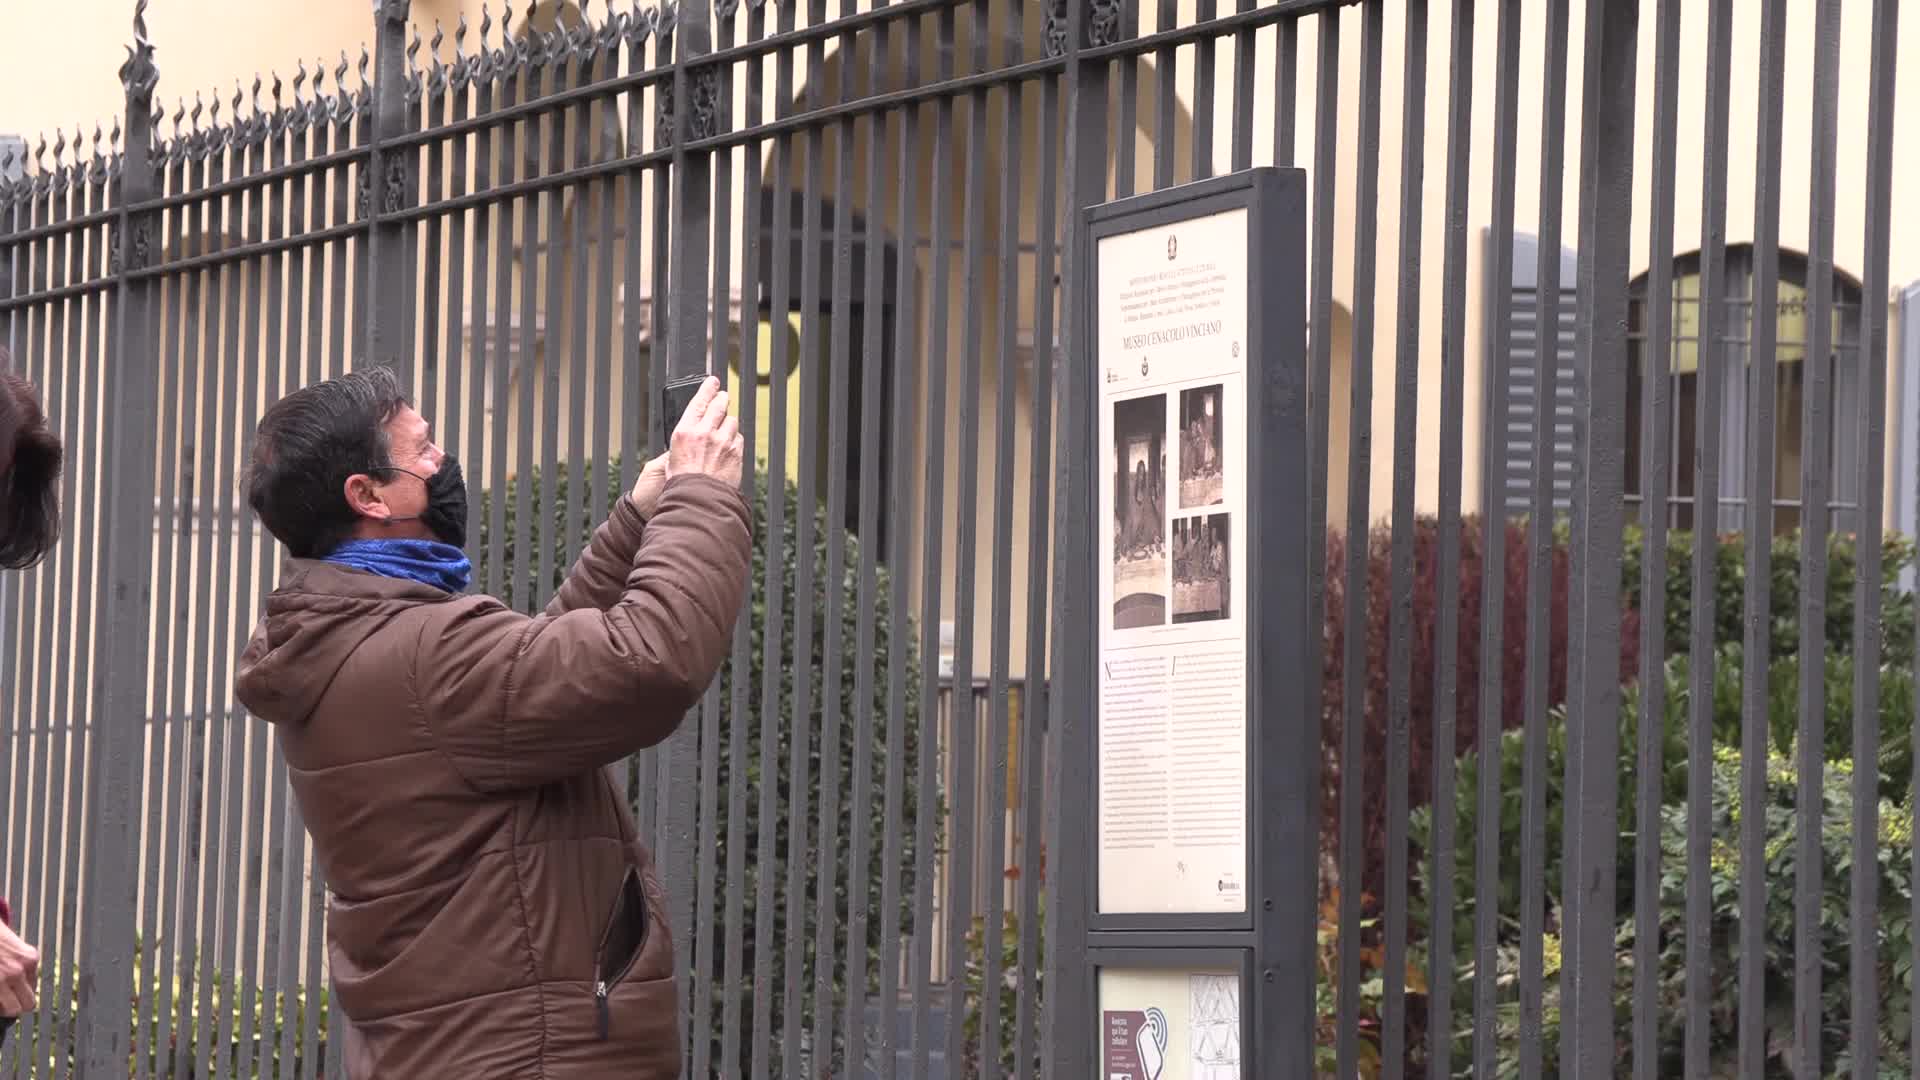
x: 674, y: 399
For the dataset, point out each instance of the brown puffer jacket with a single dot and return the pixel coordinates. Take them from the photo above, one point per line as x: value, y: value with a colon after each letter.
x: 491, y: 912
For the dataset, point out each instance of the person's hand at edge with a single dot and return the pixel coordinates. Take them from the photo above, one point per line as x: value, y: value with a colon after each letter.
x: 19, y: 974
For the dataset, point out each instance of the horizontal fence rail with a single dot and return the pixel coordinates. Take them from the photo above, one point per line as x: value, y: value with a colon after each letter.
x: 1617, y: 674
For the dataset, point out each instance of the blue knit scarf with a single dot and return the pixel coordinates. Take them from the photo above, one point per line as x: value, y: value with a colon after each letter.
x: 428, y: 562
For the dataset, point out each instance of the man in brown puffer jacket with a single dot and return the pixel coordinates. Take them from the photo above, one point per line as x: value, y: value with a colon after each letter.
x: 491, y: 912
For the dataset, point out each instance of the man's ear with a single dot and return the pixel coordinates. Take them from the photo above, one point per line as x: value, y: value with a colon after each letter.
x: 363, y: 498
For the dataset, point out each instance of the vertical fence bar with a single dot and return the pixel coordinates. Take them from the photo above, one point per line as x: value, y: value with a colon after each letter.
x: 1206, y: 60
x: 246, y: 598
x: 707, y: 83
x: 962, y: 751
x: 129, y: 444
x: 1245, y: 51
x: 1868, y: 632
x: 66, y: 708
x: 780, y: 254
x: 181, y: 399
x: 190, y: 695
x: 388, y: 181
x: 1127, y: 129
x: 1326, y: 133
x: 1037, y: 692
x: 800, y: 854
x: 1166, y: 98
x: 14, y: 736
x: 1761, y: 379
x: 157, y: 936
x: 229, y: 623
x: 1816, y: 481
x: 16, y: 739
x: 1701, y: 643
x: 584, y: 487
x: 282, y: 354
x: 494, y: 157
x: 1656, y: 455
x: 1606, y: 201
x: 735, y: 1025
x: 1493, y: 529
x: 896, y: 893
x: 39, y: 367
x: 933, y: 494
x: 1067, y: 1044
x: 827, y: 1040
x: 1538, y: 670
x: 1406, y: 396
x: 1353, y: 724
x: 1446, y: 671
x: 29, y: 597
x: 1286, y: 92
x: 529, y: 65
x: 544, y: 364
x: 863, y: 706
x: 830, y: 414
x: 994, y: 864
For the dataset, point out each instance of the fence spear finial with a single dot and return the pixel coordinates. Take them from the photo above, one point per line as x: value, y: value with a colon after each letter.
x: 138, y: 74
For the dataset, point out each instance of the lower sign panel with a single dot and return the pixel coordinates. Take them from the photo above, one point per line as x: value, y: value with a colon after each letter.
x: 1168, y: 1024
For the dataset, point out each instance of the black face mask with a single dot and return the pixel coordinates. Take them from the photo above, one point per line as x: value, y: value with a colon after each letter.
x: 446, y: 513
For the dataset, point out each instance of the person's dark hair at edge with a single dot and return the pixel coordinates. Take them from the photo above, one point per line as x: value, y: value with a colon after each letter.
x: 30, y: 456
x: 306, y: 447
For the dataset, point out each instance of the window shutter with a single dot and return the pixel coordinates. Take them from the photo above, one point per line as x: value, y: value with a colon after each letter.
x: 1518, y: 414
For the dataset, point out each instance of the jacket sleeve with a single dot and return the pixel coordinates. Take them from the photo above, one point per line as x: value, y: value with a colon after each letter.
x: 598, y: 576
x: 517, y: 702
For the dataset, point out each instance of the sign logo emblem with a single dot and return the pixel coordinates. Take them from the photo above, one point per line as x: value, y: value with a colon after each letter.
x: 1173, y: 248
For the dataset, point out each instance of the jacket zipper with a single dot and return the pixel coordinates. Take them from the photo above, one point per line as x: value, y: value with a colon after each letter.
x: 602, y: 984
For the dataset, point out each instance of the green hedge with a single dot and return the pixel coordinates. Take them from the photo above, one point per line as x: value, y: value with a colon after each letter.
x: 1894, y: 855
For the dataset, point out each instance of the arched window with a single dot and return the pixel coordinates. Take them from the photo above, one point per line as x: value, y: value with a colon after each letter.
x: 1791, y: 314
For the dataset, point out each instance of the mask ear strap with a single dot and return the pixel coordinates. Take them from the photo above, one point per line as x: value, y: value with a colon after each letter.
x: 409, y: 472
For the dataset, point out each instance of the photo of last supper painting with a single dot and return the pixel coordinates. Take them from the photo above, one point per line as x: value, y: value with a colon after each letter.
x: 1139, y: 466
x: 1202, y: 462
x: 1202, y: 577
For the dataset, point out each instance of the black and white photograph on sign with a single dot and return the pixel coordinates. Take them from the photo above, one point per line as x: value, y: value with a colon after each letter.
x: 1202, y: 457
x: 1202, y: 561
x: 1140, y: 513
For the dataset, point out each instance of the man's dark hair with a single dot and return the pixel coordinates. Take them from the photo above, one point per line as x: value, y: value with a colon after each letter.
x: 30, y: 456
x: 306, y: 447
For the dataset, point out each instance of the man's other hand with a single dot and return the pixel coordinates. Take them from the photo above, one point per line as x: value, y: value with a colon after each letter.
x: 19, y: 974
x: 646, y: 490
x: 707, y: 442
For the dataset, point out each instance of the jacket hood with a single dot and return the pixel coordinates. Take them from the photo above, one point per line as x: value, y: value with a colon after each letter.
x: 313, y: 622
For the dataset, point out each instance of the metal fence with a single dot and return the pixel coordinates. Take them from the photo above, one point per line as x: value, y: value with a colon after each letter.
x: 1533, y: 853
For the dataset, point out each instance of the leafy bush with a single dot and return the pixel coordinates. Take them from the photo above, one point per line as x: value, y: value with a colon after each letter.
x: 1897, y: 606
x: 1425, y: 640
x: 855, y: 674
x: 1730, y: 583
x: 1894, y: 855
x: 53, y: 1029
x: 1008, y: 990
